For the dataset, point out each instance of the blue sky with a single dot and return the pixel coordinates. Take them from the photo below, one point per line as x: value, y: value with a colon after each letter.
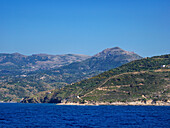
x: 84, y: 26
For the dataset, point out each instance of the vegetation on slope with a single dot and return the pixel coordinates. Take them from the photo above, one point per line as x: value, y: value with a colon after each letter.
x: 138, y: 80
x: 16, y: 64
x: 14, y: 87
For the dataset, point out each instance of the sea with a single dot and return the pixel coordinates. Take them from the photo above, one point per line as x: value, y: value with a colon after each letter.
x: 16, y: 115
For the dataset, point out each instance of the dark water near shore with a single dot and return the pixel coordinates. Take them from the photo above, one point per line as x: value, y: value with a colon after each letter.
x: 50, y: 115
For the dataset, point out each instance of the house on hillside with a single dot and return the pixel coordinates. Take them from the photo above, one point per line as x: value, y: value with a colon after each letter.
x: 165, y: 66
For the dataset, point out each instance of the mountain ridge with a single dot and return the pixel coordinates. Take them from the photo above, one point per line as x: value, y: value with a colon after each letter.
x: 35, y: 62
x: 103, y: 61
x: 20, y: 84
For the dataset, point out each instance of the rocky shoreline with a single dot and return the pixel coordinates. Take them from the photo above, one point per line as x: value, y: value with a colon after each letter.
x: 137, y: 103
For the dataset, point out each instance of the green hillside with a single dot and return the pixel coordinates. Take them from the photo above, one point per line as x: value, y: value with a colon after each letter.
x: 107, y: 59
x: 138, y: 80
x: 44, y: 77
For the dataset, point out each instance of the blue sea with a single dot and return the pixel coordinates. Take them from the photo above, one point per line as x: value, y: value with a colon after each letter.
x: 15, y: 115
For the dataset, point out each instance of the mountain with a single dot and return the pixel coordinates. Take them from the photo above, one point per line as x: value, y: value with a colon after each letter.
x: 14, y: 87
x: 103, y: 61
x: 17, y: 63
x: 142, y: 81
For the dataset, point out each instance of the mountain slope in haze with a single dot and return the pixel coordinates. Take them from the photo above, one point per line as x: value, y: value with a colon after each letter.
x: 25, y: 84
x: 17, y: 63
x: 142, y: 80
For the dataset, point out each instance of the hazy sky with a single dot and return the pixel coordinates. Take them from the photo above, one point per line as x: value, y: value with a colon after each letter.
x: 84, y: 26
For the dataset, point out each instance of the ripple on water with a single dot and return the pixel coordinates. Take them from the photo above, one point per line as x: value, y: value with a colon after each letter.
x: 50, y: 115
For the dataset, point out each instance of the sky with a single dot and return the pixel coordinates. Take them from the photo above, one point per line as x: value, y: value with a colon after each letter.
x: 84, y: 26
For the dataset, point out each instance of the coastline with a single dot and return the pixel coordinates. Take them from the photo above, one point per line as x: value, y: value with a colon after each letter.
x: 137, y: 103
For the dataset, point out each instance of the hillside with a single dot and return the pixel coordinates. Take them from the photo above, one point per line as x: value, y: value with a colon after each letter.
x: 145, y: 80
x: 107, y: 59
x: 14, y: 87
x: 16, y: 63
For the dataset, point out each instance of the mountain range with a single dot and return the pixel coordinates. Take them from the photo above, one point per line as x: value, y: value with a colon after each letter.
x: 17, y: 63
x: 107, y: 59
x: 27, y: 75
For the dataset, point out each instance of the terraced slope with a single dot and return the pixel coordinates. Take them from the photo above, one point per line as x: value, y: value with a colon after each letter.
x: 49, y: 71
x: 140, y: 80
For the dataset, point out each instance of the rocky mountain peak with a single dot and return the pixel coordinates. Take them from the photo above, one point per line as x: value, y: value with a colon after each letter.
x: 115, y: 51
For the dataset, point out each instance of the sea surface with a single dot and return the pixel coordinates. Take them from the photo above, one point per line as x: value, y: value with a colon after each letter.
x: 15, y: 115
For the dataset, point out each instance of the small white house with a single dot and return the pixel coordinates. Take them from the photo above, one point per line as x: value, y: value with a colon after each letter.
x: 163, y: 66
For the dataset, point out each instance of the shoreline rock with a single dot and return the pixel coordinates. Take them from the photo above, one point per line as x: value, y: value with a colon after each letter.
x: 137, y: 103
